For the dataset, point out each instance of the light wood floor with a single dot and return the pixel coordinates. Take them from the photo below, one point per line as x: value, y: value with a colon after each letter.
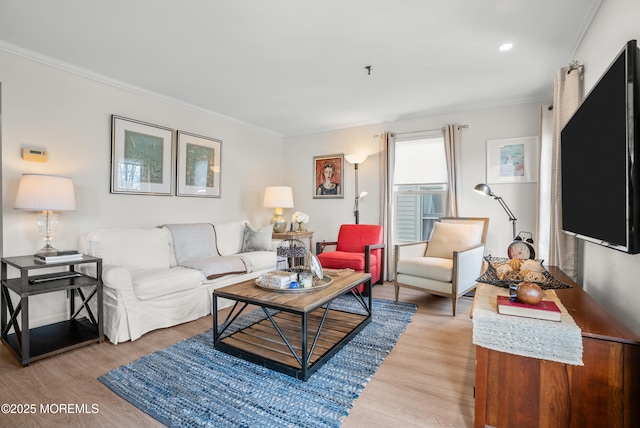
x: 426, y: 381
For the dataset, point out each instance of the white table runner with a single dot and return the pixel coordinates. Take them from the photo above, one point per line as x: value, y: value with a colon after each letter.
x: 548, y: 340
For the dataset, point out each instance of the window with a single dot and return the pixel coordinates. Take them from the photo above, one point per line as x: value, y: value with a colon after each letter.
x: 420, y: 186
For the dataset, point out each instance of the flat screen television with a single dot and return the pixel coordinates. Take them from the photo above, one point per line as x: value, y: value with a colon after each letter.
x: 599, y: 159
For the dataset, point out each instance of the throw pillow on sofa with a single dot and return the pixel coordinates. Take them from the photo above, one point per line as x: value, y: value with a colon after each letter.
x: 257, y: 240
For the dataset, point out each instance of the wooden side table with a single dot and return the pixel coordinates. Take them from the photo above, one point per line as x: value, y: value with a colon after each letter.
x: 30, y: 344
x: 307, y: 234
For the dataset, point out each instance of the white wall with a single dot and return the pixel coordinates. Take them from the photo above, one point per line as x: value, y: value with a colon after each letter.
x: 70, y: 116
x: 611, y: 277
x: 497, y: 123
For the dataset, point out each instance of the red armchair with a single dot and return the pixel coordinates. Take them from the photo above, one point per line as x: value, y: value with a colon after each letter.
x: 359, y: 247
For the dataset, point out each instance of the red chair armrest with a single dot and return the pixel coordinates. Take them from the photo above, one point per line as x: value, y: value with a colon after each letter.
x: 367, y: 259
x: 320, y: 245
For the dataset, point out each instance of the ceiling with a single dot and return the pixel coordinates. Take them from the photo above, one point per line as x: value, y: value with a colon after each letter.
x: 297, y: 67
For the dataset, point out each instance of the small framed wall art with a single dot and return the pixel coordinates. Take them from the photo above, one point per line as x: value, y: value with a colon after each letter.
x: 142, y: 157
x: 512, y: 160
x: 199, y: 161
x: 328, y: 176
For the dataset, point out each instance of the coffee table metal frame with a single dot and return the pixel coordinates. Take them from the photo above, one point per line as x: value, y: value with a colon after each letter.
x: 300, y: 305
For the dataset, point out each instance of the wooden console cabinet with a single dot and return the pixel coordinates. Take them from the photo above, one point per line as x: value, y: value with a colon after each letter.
x: 518, y: 391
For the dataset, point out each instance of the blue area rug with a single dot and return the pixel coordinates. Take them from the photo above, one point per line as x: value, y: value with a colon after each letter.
x: 190, y: 384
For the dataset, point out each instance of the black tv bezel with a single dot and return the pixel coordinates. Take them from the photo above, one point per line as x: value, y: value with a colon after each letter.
x: 632, y: 99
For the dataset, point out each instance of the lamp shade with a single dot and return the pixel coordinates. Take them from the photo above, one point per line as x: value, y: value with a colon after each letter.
x: 483, y: 189
x: 40, y: 192
x: 356, y: 159
x: 278, y: 197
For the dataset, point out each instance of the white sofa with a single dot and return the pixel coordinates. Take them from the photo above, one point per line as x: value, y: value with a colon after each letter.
x: 153, y: 280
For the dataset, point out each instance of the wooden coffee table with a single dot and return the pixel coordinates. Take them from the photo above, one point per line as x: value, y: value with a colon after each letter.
x: 303, y: 332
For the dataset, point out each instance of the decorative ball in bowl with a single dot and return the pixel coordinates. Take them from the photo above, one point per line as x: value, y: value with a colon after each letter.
x: 529, y: 293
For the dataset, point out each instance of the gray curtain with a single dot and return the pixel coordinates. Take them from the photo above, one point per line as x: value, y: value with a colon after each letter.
x: 568, y: 94
x: 387, y: 162
x: 451, y: 135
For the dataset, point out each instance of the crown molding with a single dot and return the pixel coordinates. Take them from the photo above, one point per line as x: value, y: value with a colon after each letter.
x: 88, y: 74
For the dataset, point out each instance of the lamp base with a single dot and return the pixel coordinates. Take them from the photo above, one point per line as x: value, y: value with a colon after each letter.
x: 279, y: 224
x: 47, y: 226
x: 47, y: 250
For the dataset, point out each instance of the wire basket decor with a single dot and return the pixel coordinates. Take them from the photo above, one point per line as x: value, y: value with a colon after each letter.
x: 496, y: 264
x: 295, y: 251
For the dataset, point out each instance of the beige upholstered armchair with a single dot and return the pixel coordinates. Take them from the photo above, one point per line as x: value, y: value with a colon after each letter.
x: 446, y: 265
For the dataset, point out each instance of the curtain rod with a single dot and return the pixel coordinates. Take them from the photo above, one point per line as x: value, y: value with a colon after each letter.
x: 575, y: 65
x: 423, y: 130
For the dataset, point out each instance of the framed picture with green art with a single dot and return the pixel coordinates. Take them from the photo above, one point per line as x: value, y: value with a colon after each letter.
x: 198, y: 166
x: 142, y: 158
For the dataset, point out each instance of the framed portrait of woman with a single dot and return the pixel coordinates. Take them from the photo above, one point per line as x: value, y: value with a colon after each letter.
x: 328, y: 176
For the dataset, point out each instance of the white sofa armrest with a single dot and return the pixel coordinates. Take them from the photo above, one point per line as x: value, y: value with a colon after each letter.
x: 117, y: 277
x: 468, y: 266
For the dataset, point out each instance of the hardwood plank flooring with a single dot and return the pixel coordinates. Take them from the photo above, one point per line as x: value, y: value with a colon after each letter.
x: 426, y: 381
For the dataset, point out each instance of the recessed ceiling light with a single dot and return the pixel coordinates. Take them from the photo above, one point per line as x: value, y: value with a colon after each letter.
x: 505, y: 47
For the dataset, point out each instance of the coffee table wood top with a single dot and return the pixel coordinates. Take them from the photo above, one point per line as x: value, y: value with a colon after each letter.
x: 248, y: 291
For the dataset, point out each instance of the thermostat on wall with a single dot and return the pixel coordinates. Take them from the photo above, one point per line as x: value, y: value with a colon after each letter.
x: 34, y: 155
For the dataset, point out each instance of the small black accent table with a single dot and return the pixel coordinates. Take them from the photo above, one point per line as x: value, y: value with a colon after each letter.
x: 300, y: 332
x: 30, y: 344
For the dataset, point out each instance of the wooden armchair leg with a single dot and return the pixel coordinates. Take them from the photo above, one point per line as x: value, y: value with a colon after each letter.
x: 397, y: 292
x: 454, y: 301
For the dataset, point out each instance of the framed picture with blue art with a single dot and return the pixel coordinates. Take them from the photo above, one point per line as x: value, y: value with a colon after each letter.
x: 199, y: 160
x: 512, y: 160
x: 142, y: 158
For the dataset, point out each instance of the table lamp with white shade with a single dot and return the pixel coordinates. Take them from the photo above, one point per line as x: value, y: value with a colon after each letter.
x: 278, y: 197
x: 46, y: 193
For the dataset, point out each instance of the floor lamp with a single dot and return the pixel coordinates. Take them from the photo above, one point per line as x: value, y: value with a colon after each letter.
x: 356, y: 160
x: 486, y: 190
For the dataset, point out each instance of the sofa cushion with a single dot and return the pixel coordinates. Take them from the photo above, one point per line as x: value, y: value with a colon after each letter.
x: 439, y: 268
x: 149, y: 284
x: 354, y: 237
x: 258, y: 260
x: 449, y: 237
x: 426, y: 283
x: 229, y: 237
x: 257, y: 240
x: 133, y: 248
x: 344, y: 260
x: 217, y: 266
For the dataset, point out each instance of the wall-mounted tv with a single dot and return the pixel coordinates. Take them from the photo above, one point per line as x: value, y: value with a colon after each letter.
x: 599, y: 159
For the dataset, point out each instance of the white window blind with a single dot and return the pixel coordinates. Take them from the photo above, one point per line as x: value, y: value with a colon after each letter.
x: 419, y: 185
x: 420, y: 161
